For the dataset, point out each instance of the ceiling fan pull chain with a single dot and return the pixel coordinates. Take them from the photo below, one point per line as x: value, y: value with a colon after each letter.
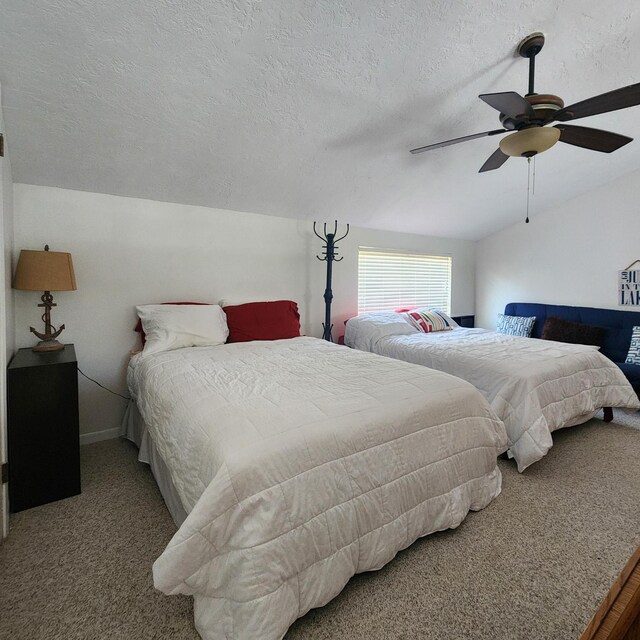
x: 528, y: 186
x: 533, y: 188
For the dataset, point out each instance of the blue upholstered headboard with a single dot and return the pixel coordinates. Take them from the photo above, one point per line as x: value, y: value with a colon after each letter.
x: 618, y: 324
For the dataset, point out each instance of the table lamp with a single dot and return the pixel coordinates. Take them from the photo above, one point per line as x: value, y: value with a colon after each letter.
x: 45, y: 271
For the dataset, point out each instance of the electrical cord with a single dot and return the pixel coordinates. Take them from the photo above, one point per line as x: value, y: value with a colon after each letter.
x: 101, y: 385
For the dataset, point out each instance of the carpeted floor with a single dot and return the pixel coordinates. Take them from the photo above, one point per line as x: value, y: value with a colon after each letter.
x: 533, y: 565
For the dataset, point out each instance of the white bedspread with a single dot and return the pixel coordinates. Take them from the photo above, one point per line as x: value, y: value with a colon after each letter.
x: 301, y: 463
x: 534, y: 386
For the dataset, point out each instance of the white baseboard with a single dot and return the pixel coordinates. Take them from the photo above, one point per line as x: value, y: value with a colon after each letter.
x: 98, y: 436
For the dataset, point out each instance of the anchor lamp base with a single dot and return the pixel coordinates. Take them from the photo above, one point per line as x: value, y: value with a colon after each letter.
x: 48, y: 340
x: 48, y: 345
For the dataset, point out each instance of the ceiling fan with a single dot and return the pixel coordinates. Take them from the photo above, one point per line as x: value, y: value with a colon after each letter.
x: 528, y: 116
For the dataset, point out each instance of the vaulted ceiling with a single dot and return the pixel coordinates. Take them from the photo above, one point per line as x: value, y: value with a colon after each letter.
x: 308, y: 109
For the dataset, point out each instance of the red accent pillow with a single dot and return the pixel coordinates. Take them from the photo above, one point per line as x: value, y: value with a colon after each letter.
x: 263, y: 321
x: 140, y: 330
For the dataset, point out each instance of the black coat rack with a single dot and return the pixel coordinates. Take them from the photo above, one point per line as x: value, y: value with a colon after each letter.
x: 329, y: 255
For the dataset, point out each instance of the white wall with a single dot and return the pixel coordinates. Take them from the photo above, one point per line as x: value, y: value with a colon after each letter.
x: 7, y: 333
x: 570, y: 255
x: 129, y: 251
x: 6, y: 224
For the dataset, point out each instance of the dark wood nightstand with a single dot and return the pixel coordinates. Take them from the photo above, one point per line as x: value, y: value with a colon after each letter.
x: 465, y: 321
x: 43, y: 429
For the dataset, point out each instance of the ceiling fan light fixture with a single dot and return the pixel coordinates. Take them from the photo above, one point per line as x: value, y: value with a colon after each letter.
x: 529, y: 142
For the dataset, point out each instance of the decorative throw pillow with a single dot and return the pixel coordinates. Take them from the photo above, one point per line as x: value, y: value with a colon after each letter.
x: 633, y: 357
x: 515, y: 325
x: 562, y: 330
x: 263, y: 321
x: 450, y: 321
x: 169, y: 327
x: 428, y: 320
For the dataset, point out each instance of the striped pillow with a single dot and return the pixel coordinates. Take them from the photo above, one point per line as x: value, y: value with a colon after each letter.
x: 427, y: 321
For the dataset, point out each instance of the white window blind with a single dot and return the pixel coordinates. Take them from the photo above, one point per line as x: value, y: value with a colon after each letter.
x: 389, y: 280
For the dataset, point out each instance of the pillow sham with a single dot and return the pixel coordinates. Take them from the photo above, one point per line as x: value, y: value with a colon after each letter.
x: 169, y: 327
x: 633, y: 357
x: 515, y: 325
x: 428, y: 320
x: 562, y: 330
x: 263, y: 321
x: 140, y: 330
x: 363, y: 332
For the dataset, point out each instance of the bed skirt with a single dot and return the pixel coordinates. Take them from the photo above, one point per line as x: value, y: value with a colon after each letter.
x: 134, y: 429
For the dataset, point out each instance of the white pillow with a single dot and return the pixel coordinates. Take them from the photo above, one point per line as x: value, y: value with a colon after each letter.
x: 168, y: 326
x: 363, y: 332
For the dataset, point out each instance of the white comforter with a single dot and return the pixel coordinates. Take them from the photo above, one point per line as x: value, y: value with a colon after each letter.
x: 302, y: 463
x: 534, y: 386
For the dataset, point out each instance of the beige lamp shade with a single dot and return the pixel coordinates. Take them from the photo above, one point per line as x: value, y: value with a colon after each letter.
x: 44, y: 271
x: 529, y: 142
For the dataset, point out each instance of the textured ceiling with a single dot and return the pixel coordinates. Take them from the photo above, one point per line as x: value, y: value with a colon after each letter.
x: 308, y: 108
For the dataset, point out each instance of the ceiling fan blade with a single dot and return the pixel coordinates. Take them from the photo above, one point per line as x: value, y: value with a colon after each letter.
x: 447, y: 143
x: 611, y: 101
x: 510, y: 103
x: 594, y: 139
x: 495, y: 161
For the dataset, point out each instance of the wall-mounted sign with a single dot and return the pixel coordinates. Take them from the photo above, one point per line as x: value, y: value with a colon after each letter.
x: 629, y: 287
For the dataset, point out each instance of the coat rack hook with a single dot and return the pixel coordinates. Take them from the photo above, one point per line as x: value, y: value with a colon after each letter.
x: 345, y: 235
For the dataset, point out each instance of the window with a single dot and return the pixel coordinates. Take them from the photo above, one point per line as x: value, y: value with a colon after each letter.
x: 389, y: 280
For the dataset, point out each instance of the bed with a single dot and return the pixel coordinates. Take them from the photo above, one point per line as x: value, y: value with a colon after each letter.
x: 290, y: 465
x: 534, y: 386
